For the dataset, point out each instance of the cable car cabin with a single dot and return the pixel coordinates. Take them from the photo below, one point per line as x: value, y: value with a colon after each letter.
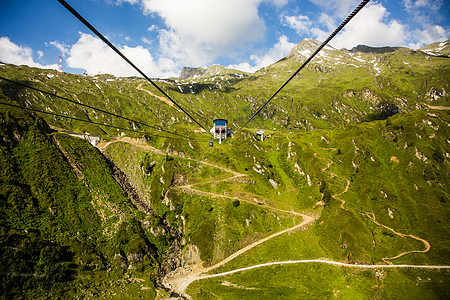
x: 220, y: 130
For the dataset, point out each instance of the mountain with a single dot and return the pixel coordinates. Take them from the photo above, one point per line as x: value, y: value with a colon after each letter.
x: 438, y: 49
x: 187, y: 72
x: 210, y: 73
x: 352, y: 176
x: 337, y: 86
x: 70, y: 217
x: 374, y: 50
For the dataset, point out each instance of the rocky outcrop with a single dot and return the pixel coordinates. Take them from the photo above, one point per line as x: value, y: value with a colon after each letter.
x: 128, y: 188
x: 373, y: 50
x: 189, y: 72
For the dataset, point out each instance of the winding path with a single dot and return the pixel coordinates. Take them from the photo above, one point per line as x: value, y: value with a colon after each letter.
x: 343, y: 192
x: 371, y: 215
x: 178, y: 282
x: 322, y: 261
x: 165, y: 100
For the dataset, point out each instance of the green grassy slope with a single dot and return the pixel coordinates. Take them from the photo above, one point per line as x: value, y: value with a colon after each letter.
x: 397, y: 169
x: 66, y: 224
x: 336, y: 87
x: 350, y: 138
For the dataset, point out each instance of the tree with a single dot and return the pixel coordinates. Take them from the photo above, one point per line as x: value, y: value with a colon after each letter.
x: 428, y: 173
x: 323, y: 186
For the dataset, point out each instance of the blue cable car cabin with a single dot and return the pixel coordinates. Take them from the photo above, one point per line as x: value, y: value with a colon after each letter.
x: 220, y: 129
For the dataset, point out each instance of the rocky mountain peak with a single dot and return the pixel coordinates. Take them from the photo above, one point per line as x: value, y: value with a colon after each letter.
x: 187, y: 72
x: 306, y: 47
x: 372, y: 50
x: 438, y: 49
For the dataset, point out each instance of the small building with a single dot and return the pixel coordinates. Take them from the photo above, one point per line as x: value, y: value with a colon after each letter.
x: 93, y: 139
x: 260, y: 133
x: 220, y: 130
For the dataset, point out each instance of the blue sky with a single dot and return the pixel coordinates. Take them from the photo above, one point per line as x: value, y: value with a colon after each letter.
x: 163, y: 36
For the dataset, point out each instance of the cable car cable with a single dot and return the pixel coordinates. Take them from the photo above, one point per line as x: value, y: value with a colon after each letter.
x: 357, y: 9
x: 92, y: 28
x: 86, y: 121
x: 92, y: 107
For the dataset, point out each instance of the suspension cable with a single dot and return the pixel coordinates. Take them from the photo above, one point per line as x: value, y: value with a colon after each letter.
x: 92, y: 107
x: 86, y: 121
x: 92, y: 28
x: 357, y: 9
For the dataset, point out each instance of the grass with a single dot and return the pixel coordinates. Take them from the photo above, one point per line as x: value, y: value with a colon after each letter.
x: 320, y: 281
x: 60, y: 197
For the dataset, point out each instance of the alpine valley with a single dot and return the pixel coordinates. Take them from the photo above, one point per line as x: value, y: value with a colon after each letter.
x: 347, y: 196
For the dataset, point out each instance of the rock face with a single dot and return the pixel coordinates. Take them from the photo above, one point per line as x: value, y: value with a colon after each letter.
x: 189, y: 72
x: 375, y: 50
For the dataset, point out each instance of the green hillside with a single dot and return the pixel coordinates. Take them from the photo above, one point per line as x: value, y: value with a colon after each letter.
x: 353, y: 170
x: 67, y: 226
x: 336, y: 87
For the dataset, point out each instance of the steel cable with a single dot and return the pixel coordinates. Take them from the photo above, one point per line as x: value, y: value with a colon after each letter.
x: 92, y: 28
x: 92, y: 107
x: 355, y: 11
x: 86, y: 121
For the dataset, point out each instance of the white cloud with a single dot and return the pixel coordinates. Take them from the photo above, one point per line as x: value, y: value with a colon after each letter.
x: 339, y: 8
x: 153, y: 28
x: 198, y: 31
x: 278, y: 51
x: 416, y: 6
x: 147, y: 41
x: 301, y: 24
x: 428, y: 35
x: 94, y: 56
x: 279, y: 3
x: 425, y: 13
x: 19, y: 55
x: 60, y: 46
x: 40, y: 54
x: 371, y: 27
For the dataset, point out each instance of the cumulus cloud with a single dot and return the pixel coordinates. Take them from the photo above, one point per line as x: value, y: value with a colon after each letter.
x: 301, y: 24
x: 370, y: 26
x: 429, y: 34
x: 278, y: 51
x: 19, y: 55
x: 196, y: 32
x: 200, y: 30
x: 94, y: 56
x: 279, y: 3
x: 423, y: 8
x: 425, y: 13
x: 60, y: 46
x: 339, y: 8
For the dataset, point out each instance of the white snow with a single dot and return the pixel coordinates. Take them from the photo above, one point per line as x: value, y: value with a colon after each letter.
x: 305, y: 52
x: 429, y: 52
x: 378, y: 69
x: 359, y: 59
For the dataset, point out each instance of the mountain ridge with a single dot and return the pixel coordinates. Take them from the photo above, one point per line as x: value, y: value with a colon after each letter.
x: 354, y: 136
